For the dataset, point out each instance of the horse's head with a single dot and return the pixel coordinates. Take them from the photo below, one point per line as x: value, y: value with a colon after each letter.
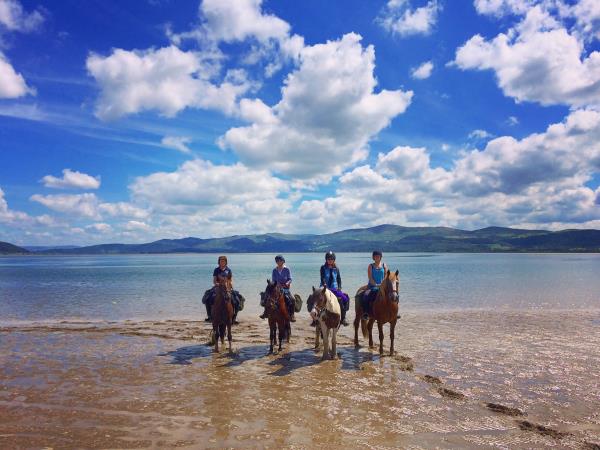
x: 223, y: 287
x: 391, y: 285
x: 317, y: 298
x: 272, y: 295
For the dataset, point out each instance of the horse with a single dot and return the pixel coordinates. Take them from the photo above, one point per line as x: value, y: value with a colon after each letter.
x: 277, y: 313
x: 222, y: 312
x: 384, y: 310
x: 328, y: 314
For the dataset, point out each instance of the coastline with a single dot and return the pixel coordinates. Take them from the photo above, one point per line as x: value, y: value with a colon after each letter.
x: 154, y: 384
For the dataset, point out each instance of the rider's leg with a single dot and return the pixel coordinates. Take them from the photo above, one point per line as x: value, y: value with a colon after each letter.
x: 343, y: 311
x: 208, y: 311
x: 291, y: 305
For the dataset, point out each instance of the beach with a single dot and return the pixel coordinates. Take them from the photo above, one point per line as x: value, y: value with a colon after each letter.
x: 477, y: 378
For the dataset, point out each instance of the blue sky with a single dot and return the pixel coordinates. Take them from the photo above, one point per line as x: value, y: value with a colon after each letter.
x: 140, y: 120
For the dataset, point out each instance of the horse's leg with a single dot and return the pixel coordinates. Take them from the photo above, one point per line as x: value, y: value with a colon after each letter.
x: 334, y: 331
x: 325, y: 341
x: 229, y: 335
x: 216, y: 334
x: 370, y: 327
x: 271, y: 336
x: 317, y: 334
x: 282, y: 330
x: 356, y: 324
x: 380, y: 328
x: 288, y: 331
x: 392, y: 328
x: 222, y: 333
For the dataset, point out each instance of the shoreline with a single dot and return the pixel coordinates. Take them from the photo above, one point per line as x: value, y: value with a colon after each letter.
x: 154, y: 384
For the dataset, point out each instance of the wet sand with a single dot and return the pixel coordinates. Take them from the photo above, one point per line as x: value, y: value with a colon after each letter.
x: 469, y: 379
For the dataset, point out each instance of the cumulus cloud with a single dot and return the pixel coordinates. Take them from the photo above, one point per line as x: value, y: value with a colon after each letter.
x: 14, y: 18
x: 479, y: 135
x: 398, y: 17
x: 179, y: 143
x: 12, y: 84
x: 72, y: 180
x: 326, y: 116
x: 85, y: 205
x: 201, y: 184
x: 423, y: 71
x: 539, y: 181
x: 102, y: 228
x: 167, y: 80
x: 538, y: 60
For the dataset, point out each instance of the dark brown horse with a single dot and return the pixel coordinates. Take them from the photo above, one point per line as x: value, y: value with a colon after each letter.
x: 277, y: 314
x: 385, y: 309
x: 222, y: 312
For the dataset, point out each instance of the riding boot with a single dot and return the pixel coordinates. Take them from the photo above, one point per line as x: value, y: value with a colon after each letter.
x: 234, y: 319
x: 344, y: 321
x: 208, y: 312
x: 264, y: 314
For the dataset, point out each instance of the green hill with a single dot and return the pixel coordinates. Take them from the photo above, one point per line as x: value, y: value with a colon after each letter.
x: 9, y: 249
x: 390, y: 238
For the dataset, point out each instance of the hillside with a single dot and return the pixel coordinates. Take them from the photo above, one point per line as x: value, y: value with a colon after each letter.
x: 391, y: 238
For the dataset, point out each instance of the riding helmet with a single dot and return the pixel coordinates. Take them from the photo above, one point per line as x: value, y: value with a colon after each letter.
x: 279, y: 258
x: 377, y: 252
x: 329, y: 255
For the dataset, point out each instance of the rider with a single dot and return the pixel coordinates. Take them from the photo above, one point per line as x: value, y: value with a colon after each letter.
x: 221, y: 272
x: 376, y: 272
x: 283, y: 277
x: 330, y: 277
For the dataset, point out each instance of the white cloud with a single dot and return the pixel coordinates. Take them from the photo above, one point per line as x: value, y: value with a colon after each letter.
x: 326, y: 116
x: 14, y: 18
x: 122, y: 209
x: 102, y: 228
x: 479, y: 135
x: 513, y: 120
x: 201, y: 184
x: 423, y: 71
x: 500, y: 8
x: 134, y: 225
x: 179, y: 143
x: 72, y: 180
x: 399, y: 18
x: 538, y: 60
x: 167, y: 80
x: 12, y: 84
x: 84, y: 205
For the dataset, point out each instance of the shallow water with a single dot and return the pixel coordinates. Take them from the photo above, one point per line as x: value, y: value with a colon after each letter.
x: 170, y: 286
x: 154, y: 384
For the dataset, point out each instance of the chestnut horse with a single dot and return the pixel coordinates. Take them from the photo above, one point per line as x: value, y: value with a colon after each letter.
x: 277, y: 314
x: 222, y: 312
x: 327, y: 312
x: 384, y: 310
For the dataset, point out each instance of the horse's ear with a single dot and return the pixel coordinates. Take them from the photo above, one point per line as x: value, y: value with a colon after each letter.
x: 229, y: 275
x: 388, y: 272
x: 324, y: 289
x: 397, y: 272
x: 314, y: 289
x: 268, y: 282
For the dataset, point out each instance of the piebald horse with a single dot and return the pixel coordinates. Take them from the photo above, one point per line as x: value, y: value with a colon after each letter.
x: 326, y: 311
x: 384, y: 310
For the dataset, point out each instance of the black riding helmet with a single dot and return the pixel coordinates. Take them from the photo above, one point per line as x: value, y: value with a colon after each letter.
x: 329, y: 255
x: 377, y: 252
x: 279, y: 258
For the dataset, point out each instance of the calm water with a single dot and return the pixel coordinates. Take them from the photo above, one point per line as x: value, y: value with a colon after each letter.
x: 171, y: 286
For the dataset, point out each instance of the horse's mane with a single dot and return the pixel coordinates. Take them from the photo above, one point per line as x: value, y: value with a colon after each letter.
x: 331, y: 303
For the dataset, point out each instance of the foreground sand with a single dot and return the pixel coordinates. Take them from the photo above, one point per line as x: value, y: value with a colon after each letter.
x: 156, y: 385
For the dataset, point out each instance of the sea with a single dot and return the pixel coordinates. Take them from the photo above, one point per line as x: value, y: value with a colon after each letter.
x: 170, y: 286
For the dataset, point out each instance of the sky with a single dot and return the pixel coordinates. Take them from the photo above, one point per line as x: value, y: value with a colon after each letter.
x: 132, y: 121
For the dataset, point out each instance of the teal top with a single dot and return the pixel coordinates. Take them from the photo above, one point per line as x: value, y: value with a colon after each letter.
x: 377, y: 274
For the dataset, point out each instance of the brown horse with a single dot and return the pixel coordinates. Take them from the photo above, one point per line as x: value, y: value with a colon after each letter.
x: 222, y: 312
x: 327, y: 312
x: 385, y: 309
x: 277, y: 314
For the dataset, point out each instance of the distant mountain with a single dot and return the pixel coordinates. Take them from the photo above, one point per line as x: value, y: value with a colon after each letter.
x: 9, y: 249
x: 39, y: 248
x: 391, y: 238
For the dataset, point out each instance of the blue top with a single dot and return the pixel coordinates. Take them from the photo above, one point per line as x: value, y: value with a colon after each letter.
x: 224, y: 273
x: 281, y: 278
x: 330, y: 277
x: 378, y: 274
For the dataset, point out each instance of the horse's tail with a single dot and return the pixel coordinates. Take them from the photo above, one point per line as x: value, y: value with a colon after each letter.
x: 363, y: 328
